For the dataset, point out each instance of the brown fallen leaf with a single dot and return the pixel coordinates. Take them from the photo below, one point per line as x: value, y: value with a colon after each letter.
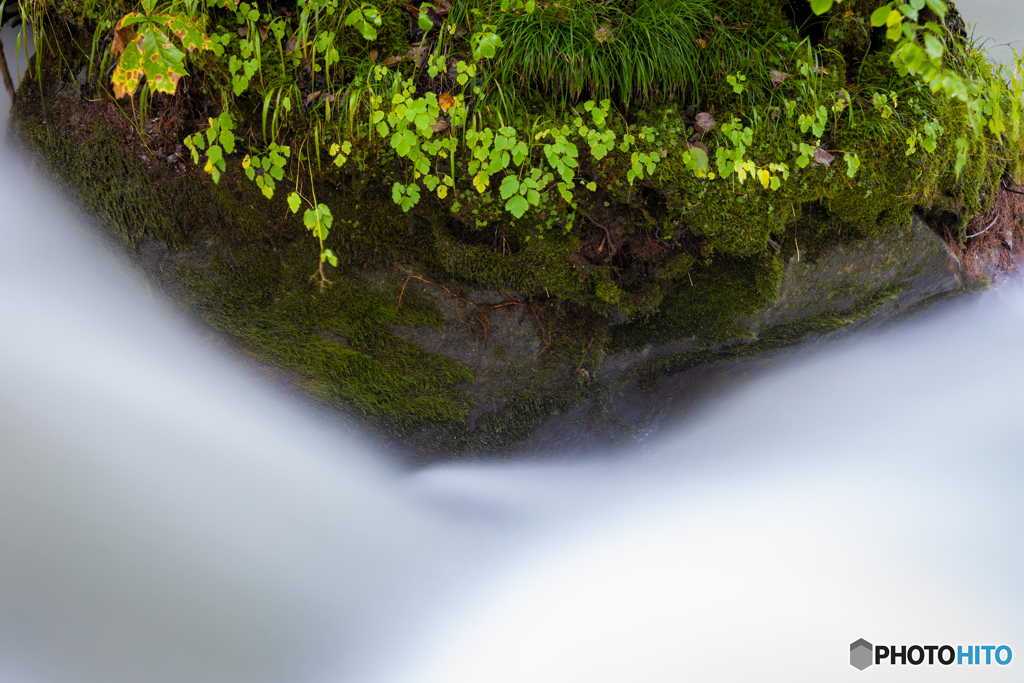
x: 705, y: 122
x: 263, y: 32
x: 391, y: 61
x: 698, y: 144
x: 822, y: 157
x: 777, y: 77
x: 446, y: 101
x: 243, y: 31
x: 313, y: 95
x: 440, y: 124
x: 418, y: 55
x: 603, y: 34
x: 414, y: 11
x: 289, y: 47
x: 373, y: 55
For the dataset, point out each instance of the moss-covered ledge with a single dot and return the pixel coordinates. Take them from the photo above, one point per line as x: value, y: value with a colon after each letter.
x: 457, y: 339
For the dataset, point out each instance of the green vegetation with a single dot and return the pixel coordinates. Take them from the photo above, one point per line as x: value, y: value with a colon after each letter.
x: 627, y: 169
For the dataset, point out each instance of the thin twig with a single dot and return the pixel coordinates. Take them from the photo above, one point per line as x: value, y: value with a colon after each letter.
x: 429, y: 283
x: 1007, y: 177
x: 982, y: 232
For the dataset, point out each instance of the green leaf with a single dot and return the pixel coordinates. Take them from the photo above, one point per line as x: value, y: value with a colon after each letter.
x: 895, y: 30
x: 821, y: 6
x: 152, y: 54
x: 294, y: 201
x: 937, y: 6
x: 215, y: 154
x: 485, y: 45
x: 412, y: 197
x: 517, y: 205
x: 227, y: 141
x: 328, y: 255
x: 325, y: 216
x: 909, y: 12
x: 509, y: 186
x: 188, y: 30
x: 700, y: 159
x: 934, y: 47
x: 852, y: 163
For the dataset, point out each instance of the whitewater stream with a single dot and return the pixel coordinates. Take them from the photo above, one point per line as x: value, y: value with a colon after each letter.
x: 166, y: 515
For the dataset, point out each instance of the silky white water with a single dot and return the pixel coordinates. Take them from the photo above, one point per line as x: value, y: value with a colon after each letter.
x: 166, y: 517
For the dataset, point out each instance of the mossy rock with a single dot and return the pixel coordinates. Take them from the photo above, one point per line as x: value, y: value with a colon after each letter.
x: 452, y: 341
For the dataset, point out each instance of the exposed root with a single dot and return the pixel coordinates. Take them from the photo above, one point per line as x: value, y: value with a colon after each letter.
x: 480, y: 319
x: 608, y: 235
x: 994, y: 245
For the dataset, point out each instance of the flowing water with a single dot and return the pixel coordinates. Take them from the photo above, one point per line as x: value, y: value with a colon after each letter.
x: 167, y: 516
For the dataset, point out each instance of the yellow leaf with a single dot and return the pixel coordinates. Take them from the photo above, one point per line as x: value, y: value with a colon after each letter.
x: 480, y: 182
x: 442, y: 191
x: 764, y: 177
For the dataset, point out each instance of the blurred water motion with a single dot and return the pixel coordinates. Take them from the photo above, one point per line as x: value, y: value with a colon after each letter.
x: 164, y: 517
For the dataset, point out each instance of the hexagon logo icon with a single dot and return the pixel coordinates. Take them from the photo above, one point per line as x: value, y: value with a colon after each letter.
x: 860, y: 654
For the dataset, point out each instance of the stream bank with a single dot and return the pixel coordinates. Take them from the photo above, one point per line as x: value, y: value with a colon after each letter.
x: 458, y: 340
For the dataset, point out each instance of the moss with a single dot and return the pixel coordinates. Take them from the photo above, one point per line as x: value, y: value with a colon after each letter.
x: 120, y: 190
x: 706, y: 304
x: 339, y: 339
x: 498, y: 431
x: 543, y: 265
x: 770, y: 339
x: 607, y: 291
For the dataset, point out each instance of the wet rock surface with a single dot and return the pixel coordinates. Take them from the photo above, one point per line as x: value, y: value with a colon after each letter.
x: 438, y: 366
